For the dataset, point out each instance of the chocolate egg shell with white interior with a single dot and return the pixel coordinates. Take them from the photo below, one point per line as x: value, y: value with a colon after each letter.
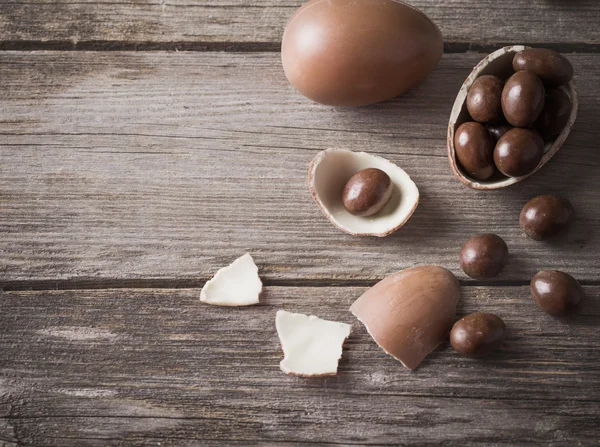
x: 499, y: 63
x: 328, y: 174
x: 411, y: 312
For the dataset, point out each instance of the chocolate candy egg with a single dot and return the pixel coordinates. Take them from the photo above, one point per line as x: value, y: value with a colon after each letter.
x: 552, y: 68
x: 518, y: 152
x: 484, y: 256
x: 546, y: 216
x: 556, y: 293
x: 477, y: 334
x: 484, y: 100
x: 367, y: 192
x: 523, y: 99
x: 474, y: 150
x: 357, y: 52
x: 497, y: 131
x: 555, y: 114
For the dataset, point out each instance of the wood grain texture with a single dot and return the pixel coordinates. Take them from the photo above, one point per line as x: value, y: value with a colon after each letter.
x: 121, y: 166
x: 193, y: 23
x: 133, y: 367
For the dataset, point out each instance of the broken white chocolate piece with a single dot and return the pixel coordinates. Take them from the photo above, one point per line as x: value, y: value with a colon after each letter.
x: 237, y: 284
x: 311, y: 346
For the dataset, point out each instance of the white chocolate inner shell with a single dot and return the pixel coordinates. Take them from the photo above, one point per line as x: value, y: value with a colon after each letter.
x: 237, y: 284
x: 329, y: 176
x: 311, y: 346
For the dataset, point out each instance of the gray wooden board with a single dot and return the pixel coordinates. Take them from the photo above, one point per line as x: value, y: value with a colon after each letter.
x: 237, y: 23
x: 167, y: 166
x: 149, y: 366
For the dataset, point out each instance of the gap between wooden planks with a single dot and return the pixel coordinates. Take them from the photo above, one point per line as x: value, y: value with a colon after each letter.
x: 97, y: 367
x: 159, y: 166
x: 259, y: 24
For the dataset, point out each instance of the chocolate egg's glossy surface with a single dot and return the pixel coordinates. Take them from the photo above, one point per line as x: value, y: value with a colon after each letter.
x: 477, y: 334
x: 367, y: 192
x: 546, y: 216
x: 523, y: 98
x: 484, y: 100
x: 409, y: 313
x: 474, y: 150
x: 358, y: 52
x: 484, y: 256
x: 518, y: 152
x: 556, y: 293
x: 553, y: 68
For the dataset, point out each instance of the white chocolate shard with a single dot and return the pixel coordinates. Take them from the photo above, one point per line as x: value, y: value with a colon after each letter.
x: 237, y: 284
x: 311, y: 346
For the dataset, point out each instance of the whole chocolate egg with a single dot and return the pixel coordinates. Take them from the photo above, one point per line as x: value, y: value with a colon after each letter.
x: 358, y: 52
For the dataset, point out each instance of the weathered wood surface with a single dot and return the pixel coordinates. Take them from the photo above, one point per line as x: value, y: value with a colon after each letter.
x: 196, y: 24
x: 133, y: 366
x: 168, y: 166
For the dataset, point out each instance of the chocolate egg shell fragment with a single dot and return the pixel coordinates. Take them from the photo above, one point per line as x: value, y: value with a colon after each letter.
x: 328, y: 174
x: 410, y: 312
x: 474, y: 149
x: 484, y: 256
x: 518, y: 152
x: 311, y: 346
x: 358, y: 52
x: 555, y: 114
x: 484, y: 100
x: 367, y: 192
x: 499, y: 63
x: 523, y: 98
x: 546, y: 216
x: 478, y: 334
x: 552, y: 67
x: 556, y: 293
x: 237, y: 284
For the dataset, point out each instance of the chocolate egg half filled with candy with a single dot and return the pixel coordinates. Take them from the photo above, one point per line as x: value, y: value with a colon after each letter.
x: 331, y: 171
x: 500, y: 64
x: 358, y: 52
x: 411, y: 312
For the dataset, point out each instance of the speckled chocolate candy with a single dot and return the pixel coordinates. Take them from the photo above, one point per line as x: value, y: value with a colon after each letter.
x: 518, y: 152
x: 546, y: 216
x: 484, y: 256
x: 552, y: 68
x: 367, y: 192
x: 477, y: 334
x: 484, y: 100
x: 556, y: 293
x: 523, y: 99
x: 474, y: 150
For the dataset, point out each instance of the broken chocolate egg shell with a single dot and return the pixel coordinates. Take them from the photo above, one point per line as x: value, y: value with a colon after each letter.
x: 411, y: 312
x: 499, y: 63
x: 237, y: 284
x: 327, y: 175
x: 312, y: 347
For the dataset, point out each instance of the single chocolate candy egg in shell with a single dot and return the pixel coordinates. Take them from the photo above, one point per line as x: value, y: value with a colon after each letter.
x: 330, y: 172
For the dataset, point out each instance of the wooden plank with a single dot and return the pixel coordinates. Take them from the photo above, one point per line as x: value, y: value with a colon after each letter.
x: 169, y: 166
x: 133, y: 366
x: 192, y: 23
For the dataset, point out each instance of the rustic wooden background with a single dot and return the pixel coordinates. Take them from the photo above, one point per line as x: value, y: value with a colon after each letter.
x: 144, y: 144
